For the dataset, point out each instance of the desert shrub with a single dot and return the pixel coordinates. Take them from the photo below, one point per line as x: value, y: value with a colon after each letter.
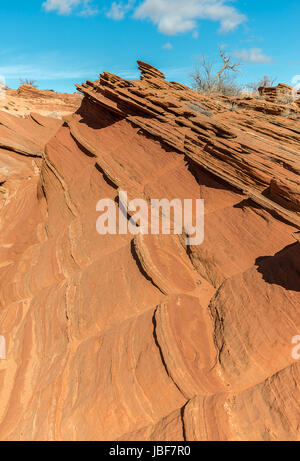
x: 286, y: 113
x: 229, y: 105
x: 233, y: 107
x: 228, y: 86
x: 28, y: 81
x: 285, y: 99
x: 264, y: 82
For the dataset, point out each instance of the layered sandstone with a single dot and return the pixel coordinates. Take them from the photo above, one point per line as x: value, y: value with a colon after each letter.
x: 28, y: 98
x: 141, y: 337
x: 276, y: 93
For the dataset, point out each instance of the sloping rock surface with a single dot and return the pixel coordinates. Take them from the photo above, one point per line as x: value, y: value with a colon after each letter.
x: 140, y: 337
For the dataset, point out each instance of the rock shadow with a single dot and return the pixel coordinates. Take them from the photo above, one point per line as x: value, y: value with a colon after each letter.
x: 282, y: 269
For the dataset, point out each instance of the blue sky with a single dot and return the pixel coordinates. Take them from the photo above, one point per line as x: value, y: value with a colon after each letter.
x: 62, y: 42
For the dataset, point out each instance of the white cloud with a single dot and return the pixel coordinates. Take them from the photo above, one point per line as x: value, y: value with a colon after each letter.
x: 178, y: 16
x: 296, y: 79
x: 195, y: 34
x: 168, y: 46
x: 171, y: 16
x: 69, y: 6
x: 254, y: 55
x: 118, y: 10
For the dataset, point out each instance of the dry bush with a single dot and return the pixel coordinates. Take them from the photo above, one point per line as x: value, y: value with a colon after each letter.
x: 233, y: 107
x: 28, y: 81
x: 286, y: 113
x: 264, y: 82
x: 285, y: 99
x: 207, y: 81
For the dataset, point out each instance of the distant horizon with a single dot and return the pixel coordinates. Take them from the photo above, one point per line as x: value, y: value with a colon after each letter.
x: 60, y: 43
x: 188, y: 84
x: 245, y: 89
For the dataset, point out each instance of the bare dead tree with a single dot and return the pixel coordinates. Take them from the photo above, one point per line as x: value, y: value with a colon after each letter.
x: 205, y: 80
x: 227, y: 66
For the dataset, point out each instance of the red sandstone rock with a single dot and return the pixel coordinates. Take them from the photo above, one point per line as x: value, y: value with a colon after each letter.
x: 142, y: 338
x: 28, y: 98
x: 279, y: 93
